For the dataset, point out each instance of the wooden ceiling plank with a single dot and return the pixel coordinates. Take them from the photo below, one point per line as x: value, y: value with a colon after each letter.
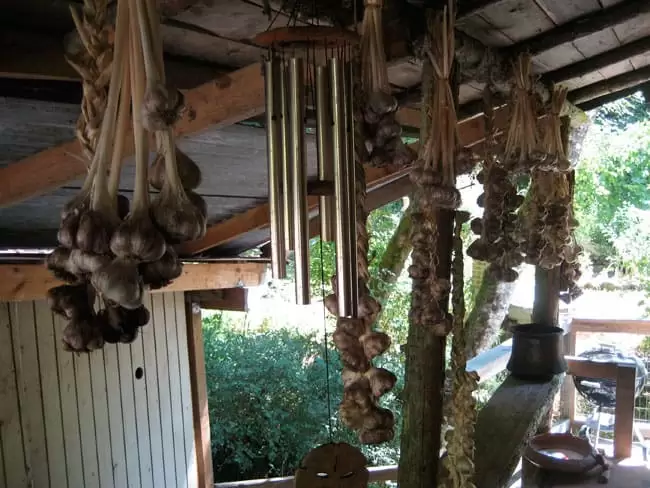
x: 612, y: 97
x: 31, y: 281
x: 600, y: 61
x: 581, y: 27
x: 615, y: 84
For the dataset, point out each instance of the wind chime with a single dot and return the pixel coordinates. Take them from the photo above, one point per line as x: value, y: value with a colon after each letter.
x: 308, y: 84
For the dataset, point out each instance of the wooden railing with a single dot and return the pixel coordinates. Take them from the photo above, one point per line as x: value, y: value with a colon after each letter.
x: 487, y: 364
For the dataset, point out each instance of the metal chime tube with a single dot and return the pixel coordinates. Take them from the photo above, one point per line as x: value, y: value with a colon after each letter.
x: 341, y: 189
x: 299, y: 179
x: 351, y: 183
x: 325, y: 160
x: 274, y: 157
x: 287, y: 184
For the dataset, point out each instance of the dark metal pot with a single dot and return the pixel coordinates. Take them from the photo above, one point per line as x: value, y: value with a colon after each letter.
x: 537, y: 352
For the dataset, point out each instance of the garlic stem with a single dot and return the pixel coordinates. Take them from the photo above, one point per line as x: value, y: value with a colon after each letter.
x: 141, y: 190
x: 172, y: 178
x: 100, y: 189
x: 154, y: 25
x: 120, y: 135
x: 150, y: 65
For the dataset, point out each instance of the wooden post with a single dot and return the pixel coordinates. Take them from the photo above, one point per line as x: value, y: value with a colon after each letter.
x: 624, y: 411
x: 425, y: 353
x: 200, y: 410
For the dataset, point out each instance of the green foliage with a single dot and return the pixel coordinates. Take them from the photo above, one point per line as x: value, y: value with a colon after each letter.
x: 612, y: 185
x: 268, y: 400
x: 621, y: 113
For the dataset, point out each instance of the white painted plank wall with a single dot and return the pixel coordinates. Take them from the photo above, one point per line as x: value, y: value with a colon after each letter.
x: 77, y: 421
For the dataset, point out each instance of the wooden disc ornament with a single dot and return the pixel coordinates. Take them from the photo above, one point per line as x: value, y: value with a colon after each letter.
x: 336, y: 465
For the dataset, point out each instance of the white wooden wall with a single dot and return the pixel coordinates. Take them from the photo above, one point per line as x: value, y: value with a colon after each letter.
x: 86, y: 420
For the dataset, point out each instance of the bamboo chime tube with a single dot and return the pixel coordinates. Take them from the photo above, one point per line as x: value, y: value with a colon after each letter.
x: 344, y: 254
x: 274, y: 158
x: 299, y: 179
x: 287, y: 184
x: 324, y: 142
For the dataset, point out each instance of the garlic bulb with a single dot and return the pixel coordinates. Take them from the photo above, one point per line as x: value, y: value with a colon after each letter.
x: 62, y: 267
x: 188, y: 171
x: 71, y: 301
x: 120, y: 283
x: 162, y: 107
x: 160, y: 273
x: 82, y: 334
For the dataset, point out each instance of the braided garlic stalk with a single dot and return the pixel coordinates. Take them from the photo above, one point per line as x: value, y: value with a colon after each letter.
x: 380, y: 129
x: 549, y: 221
x: 498, y: 243
x: 459, y: 462
x: 355, y: 338
x: 94, y: 66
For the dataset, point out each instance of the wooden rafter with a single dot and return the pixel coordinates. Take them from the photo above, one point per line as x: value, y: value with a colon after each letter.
x: 611, y: 85
x: 36, y: 55
x: 612, y: 97
x: 31, y: 281
x: 471, y: 132
x: 582, y: 27
x: 221, y: 102
x: 600, y: 61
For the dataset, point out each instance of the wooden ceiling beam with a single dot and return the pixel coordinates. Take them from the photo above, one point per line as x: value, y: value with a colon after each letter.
x: 610, y: 85
x: 581, y: 27
x: 38, y: 56
x: 31, y: 281
x: 599, y: 61
x: 612, y: 97
x: 223, y: 101
x: 471, y: 132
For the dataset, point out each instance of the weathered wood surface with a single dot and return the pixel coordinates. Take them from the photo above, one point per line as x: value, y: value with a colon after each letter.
x: 201, y: 410
x: 505, y: 424
x: 74, y: 421
x: 31, y: 281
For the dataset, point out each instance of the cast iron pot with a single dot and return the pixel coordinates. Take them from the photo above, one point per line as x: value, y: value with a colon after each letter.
x: 537, y: 352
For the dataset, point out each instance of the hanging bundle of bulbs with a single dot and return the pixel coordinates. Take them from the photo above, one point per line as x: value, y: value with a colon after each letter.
x: 358, y: 342
x: 380, y: 129
x: 109, y: 247
x: 459, y: 461
x: 498, y: 243
x: 524, y: 151
x: 548, y: 221
x: 433, y: 176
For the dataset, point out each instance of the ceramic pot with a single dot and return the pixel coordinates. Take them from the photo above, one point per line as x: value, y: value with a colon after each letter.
x: 537, y: 352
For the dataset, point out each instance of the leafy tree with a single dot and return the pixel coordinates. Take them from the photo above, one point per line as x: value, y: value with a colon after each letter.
x: 268, y: 394
x: 612, y: 179
x: 621, y: 113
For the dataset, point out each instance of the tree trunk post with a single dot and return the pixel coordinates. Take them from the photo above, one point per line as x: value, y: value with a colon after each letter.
x: 425, y: 351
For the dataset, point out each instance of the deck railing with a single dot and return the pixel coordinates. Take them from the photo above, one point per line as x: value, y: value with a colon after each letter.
x: 487, y: 364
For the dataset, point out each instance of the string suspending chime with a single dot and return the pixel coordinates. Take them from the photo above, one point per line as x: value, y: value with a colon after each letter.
x: 308, y: 87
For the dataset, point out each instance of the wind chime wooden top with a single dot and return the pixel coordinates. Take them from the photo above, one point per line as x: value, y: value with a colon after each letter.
x: 308, y: 36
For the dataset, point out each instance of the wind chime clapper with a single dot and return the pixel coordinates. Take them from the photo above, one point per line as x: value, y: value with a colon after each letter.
x: 295, y: 83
